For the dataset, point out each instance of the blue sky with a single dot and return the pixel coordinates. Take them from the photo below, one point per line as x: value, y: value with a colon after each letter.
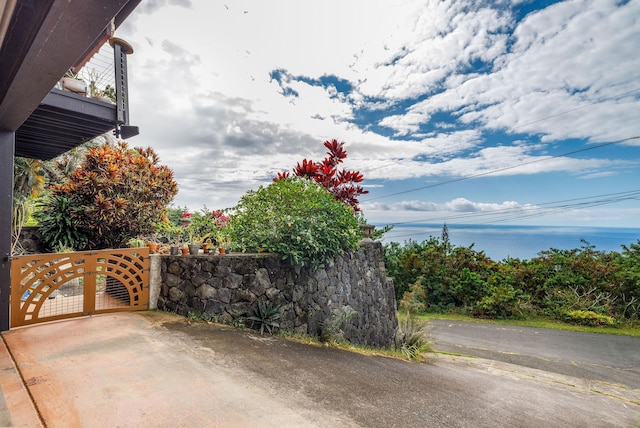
x: 516, y: 112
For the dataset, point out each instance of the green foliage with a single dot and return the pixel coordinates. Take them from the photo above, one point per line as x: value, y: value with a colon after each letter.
x: 413, y: 301
x: 266, y: 316
x: 114, y: 194
x: 207, y: 226
x: 333, y: 328
x: 296, y: 218
x: 137, y: 243
x: 56, y: 225
x: 29, y: 177
x: 589, y: 318
x: 412, y: 340
x: 554, y: 284
x: 500, y: 301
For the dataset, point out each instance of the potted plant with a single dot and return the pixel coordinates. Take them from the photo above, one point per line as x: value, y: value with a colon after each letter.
x: 72, y: 83
x: 174, y: 246
x: 223, y: 240
x: 106, y: 95
x: 207, y: 245
x: 98, y: 90
x: 153, y: 244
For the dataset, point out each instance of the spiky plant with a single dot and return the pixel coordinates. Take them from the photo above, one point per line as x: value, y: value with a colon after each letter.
x: 266, y: 316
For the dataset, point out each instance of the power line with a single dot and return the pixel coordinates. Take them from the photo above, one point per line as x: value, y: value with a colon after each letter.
x: 631, y: 194
x: 481, y: 174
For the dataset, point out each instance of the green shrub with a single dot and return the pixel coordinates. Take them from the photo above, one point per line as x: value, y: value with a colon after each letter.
x: 413, y: 301
x: 589, y: 318
x: 296, y: 218
x: 501, y: 301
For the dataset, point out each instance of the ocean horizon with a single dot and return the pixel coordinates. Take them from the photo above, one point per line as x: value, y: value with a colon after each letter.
x: 500, y: 242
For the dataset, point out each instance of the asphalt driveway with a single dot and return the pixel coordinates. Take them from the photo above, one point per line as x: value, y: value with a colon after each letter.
x: 156, y: 369
x: 604, y: 357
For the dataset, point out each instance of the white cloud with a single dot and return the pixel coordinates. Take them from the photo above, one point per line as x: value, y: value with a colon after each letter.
x: 203, y: 97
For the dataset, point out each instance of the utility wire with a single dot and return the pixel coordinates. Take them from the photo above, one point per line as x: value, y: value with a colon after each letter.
x: 493, y: 171
x: 564, y: 204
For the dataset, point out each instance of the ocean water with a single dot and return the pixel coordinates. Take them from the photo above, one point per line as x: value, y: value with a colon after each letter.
x: 523, y: 242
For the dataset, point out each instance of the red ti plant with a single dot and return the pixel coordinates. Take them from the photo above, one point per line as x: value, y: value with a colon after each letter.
x: 342, y: 184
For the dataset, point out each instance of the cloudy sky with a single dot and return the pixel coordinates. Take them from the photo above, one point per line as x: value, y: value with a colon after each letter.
x: 515, y: 112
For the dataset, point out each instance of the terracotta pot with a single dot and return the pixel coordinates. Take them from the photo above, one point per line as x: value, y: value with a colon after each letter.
x: 184, y: 250
x: 221, y: 250
x: 153, y: 247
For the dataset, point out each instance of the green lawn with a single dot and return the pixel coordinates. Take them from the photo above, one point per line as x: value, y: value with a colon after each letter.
x: 624, y: 330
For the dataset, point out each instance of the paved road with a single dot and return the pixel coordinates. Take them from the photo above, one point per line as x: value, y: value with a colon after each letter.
x: 602, y: 357
x: 157, y: 369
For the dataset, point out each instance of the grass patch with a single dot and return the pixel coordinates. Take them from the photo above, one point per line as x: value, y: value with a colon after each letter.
x: 346, y: 346
x: 623, y: 330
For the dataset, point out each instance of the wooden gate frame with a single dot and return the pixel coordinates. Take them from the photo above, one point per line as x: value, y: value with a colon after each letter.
x: 35, y: 277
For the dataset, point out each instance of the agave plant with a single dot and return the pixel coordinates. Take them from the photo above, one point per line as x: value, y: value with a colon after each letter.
x: 266, y: 315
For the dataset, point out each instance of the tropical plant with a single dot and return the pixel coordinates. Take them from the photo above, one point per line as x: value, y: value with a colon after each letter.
x: 341, y: 184
x: 206, y: 225
x: 266, y: 316
x: 332, y: 330
x: 29, y: 177
x: 296, y: 218
x: 115, y: 194
x: 56, y: 224
x: 412, y: 340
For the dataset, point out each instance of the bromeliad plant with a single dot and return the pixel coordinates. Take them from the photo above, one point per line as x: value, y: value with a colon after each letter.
x: 342, y: 184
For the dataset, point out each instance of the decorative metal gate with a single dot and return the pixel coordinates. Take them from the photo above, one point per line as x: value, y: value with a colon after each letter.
x: 48, y: 287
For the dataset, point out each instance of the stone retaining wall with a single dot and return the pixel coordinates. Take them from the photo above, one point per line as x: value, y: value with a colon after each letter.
x: 230, y: 286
